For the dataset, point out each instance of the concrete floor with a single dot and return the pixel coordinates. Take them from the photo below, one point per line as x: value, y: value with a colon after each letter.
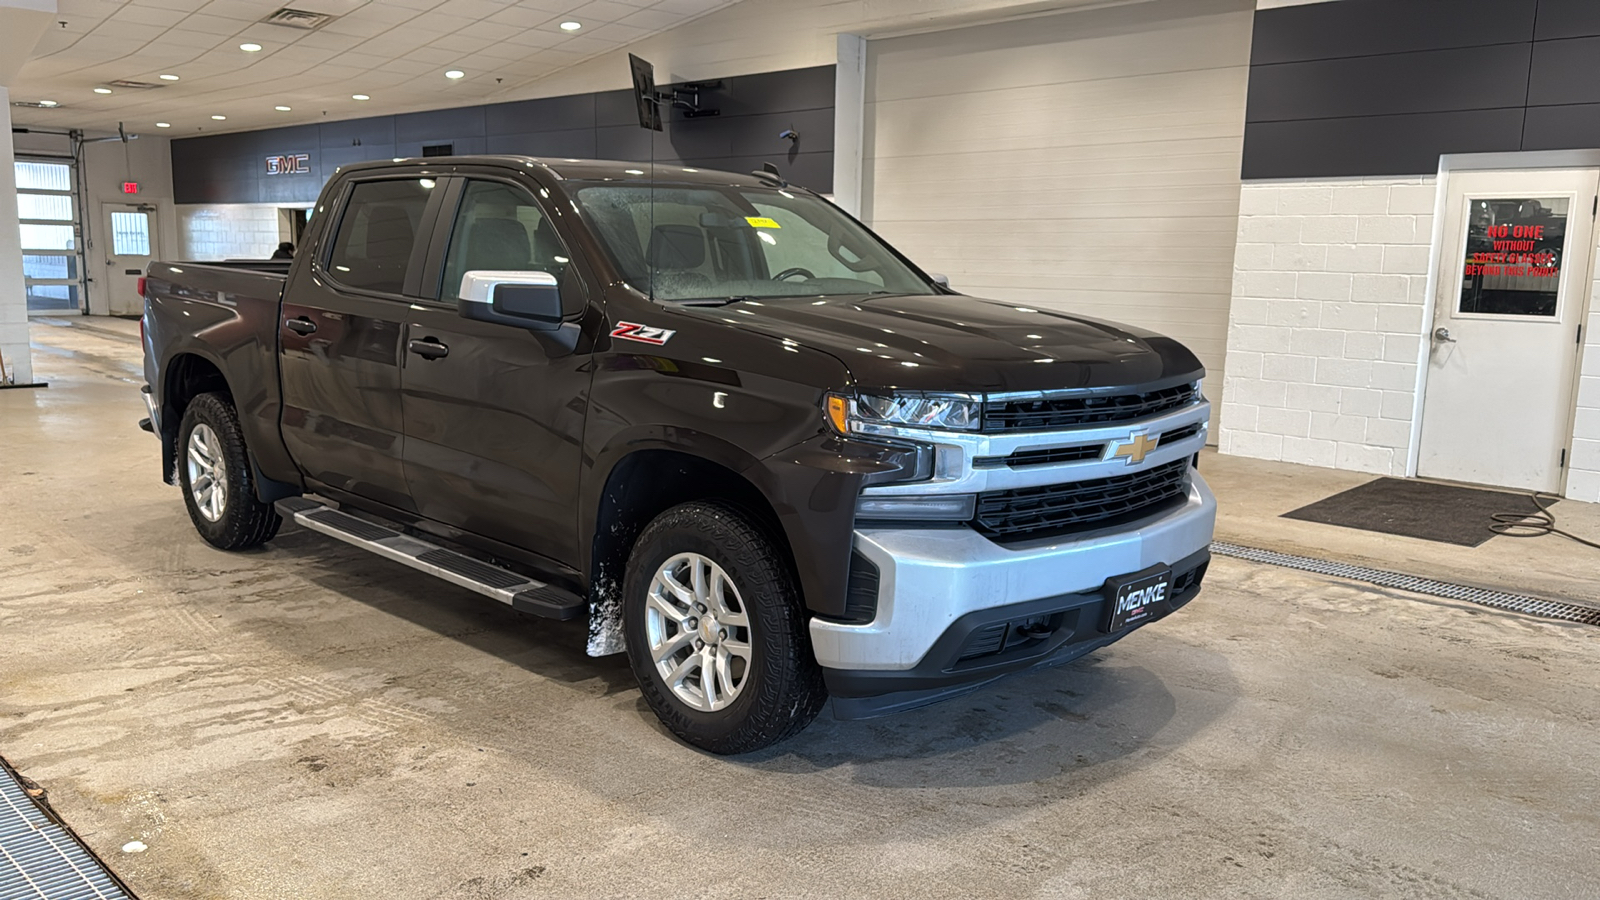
x: 307, y: 721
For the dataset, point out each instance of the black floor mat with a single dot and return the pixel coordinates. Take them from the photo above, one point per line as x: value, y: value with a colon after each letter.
x: 1419, y: 509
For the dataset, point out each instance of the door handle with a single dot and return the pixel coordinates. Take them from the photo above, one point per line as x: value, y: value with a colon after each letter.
x: 301, y: 325
x: 1442, y: 335
x: 428, y: 348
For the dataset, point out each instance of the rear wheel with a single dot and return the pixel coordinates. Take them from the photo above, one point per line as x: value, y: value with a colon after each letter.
x: 715, y: 634
x: 214, y: 471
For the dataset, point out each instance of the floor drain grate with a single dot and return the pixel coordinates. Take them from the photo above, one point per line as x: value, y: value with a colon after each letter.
x: 40, y: 859
x: 1533, y: 606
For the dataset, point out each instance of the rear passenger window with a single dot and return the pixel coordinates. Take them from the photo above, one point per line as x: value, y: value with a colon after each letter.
x: 372, y: 251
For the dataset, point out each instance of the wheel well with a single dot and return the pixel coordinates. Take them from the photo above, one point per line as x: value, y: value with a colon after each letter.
x: 188, y: 376
x: 646, y: 484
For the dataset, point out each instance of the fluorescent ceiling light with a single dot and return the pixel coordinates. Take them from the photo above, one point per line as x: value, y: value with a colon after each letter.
x: 47, y: 104
x: 359, y: 97
x: 169, y: 78
x: 250, y: 48
x: 220, y: 118
x: 571, y: 26
x: 102, y: 90
x: 453, y: 74
x: 163, y: 124
x: 282, y: 108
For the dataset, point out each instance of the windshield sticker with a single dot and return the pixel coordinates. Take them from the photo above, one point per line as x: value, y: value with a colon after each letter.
x: 644, y: 334
x: 761, y: 222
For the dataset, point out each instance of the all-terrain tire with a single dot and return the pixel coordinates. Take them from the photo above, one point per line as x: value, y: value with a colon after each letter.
x: 242, y: 521
x: 782, y: 689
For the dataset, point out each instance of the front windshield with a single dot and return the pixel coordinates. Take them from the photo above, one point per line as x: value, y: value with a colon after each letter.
x: 711, y: 242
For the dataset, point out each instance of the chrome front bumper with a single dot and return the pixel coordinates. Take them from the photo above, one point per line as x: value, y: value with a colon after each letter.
x: 930, y: 577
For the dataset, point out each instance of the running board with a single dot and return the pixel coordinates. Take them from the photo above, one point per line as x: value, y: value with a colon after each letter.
x: 515, y: 590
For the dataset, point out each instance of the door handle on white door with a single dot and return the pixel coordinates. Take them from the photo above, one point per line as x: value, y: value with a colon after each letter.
x: 1442, y: 335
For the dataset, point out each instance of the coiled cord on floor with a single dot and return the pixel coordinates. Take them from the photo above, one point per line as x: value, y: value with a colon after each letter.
x: 1539, y: 524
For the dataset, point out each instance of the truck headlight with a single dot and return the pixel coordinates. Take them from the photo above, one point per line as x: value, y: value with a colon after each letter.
x: 944, y: 412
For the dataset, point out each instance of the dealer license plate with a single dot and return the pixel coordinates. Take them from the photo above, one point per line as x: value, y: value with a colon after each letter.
x: 1138, y: 598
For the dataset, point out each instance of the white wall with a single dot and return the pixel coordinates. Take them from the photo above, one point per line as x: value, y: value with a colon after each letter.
x: 106, y: 166
x: 1087, y: 161
x: 1583, y: 469
x: 232, y: 231
x: 771, y: 35
x: 1329, y: 292
x: 1327, y: 323
x: 13, y: 295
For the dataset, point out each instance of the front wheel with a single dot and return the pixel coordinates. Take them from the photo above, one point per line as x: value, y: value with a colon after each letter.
x: 214, y: 472
x: 714, y: 631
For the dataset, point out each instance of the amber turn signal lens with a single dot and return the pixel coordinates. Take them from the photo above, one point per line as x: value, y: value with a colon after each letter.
x: 838, y: 413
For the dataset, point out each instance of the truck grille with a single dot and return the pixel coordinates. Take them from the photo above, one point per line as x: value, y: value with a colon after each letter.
x: 1027, y: 513
x: 1089, y: 409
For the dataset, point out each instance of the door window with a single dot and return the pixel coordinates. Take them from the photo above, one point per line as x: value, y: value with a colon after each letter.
x: 501, y: 228
x: 372, y: 250
x: 1513, y: 256
x: 130, y: 234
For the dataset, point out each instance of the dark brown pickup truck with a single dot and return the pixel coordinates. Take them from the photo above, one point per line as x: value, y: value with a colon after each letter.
x: 757, y: 448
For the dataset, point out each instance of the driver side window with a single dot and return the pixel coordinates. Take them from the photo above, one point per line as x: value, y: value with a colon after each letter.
x: 501, y: 228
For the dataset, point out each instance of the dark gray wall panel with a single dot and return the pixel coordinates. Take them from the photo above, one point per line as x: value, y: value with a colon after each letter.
x: 231, y: 168
x: 577, y: 143
x: 1562, y: 128
x: 1384, y: 87
x: 1429, y: 81
x: 439, y: 125
x: 1567, y: 18
x: 1370, y: 27
x: 1387, y: 145
x: 1565, y: 71
x: 547, y: 114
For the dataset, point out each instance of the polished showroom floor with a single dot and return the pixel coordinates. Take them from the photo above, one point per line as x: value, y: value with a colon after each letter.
x: 307, y: 721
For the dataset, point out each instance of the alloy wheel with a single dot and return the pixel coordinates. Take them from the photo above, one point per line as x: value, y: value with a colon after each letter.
x: 208, y: 475
x: 698, y: 630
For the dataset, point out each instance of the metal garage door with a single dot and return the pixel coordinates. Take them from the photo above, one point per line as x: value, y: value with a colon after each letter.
x: 1086, y: 161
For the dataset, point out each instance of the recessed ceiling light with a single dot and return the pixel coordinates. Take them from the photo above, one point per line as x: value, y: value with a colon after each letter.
x: 102, y: 90
x: 281, y: 108
x: 359, y: 97
x: 571, y: 26
x: 454, y: 74
x: 47, y: 104
x: 163, y: 124
x: 220, y: 118
x: 250, y: 48
x: 169, y: 78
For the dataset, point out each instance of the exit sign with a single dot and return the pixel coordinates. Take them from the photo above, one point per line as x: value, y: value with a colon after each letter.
x: 130, y: 187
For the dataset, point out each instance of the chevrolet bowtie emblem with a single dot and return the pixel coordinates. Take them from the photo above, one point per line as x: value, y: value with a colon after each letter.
x: 1136, y: 448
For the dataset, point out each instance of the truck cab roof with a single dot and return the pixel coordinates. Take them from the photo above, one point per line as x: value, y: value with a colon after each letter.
x: 568, y: 169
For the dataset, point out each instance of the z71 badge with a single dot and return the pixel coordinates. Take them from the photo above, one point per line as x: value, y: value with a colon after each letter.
x: 644, y: 334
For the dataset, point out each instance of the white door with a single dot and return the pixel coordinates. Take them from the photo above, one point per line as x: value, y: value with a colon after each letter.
x: 131, y: 246
x: 1504, y: 342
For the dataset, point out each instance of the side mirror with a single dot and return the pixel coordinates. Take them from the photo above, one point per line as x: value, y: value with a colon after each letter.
x: 522, y: 299
x: 941, y: 280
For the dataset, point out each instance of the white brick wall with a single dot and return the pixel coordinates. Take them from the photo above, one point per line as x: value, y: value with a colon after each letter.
x: 1583, y: 469
x: 1330, y: 282
x: 235, y: 231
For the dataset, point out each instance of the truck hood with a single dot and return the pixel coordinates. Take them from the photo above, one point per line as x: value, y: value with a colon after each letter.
x: 951, y: 342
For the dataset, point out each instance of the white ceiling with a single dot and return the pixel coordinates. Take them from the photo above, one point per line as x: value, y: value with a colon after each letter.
x: 395, y: 51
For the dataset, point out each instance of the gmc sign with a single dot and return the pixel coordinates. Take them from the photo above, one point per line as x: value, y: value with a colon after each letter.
x: 293, y: 164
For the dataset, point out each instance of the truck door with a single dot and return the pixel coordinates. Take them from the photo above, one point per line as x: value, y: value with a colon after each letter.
x: 341, y: 329
x: 494, y: 413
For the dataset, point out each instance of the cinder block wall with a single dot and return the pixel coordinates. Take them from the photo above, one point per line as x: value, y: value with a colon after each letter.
x: 211, y: 233
x: 1583, y: 477
x: 1329, y: 290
